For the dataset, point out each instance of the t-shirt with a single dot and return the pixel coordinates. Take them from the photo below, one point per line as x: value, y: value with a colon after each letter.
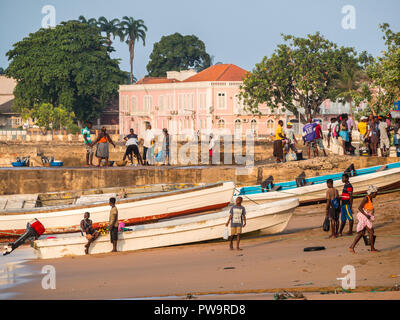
x: 318, y: 131
x: 382, y: 130
x: 113, y: 217
x: 362, y: 127
x: 346, y: 193
x: 290, y: 135
x: 279, y: 130
x: 148, y: 137
x: 212, y: 144
x: 132, y: 139
x: 309, y: 132
x: 238, y: 212
x: 86, y: 133
x: 350, y: 124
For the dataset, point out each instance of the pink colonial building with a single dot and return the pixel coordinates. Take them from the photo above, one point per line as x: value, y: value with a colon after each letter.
x: 187, y: 102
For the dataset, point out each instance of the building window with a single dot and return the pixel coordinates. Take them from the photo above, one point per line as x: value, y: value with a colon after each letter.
x: 254, y: 126
x: 161, y: 103
x: 221, y: 124
x: 148, y: 103
x: 221, y: 100
x: 270, y: 126
x: 133, y: 104
x: 202, y: 100
x: 170, y: 102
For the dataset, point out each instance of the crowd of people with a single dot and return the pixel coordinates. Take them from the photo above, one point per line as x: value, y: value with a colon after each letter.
x: 342, y: 207
x: 376, y: 133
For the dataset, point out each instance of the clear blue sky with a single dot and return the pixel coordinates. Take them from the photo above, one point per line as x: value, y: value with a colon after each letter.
x: 234, y: 31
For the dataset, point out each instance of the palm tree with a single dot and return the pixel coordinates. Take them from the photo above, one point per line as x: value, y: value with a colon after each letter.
x: 132, y: 30
x: 349, y: 84
x: 90, y: 22
x: 110, y: 28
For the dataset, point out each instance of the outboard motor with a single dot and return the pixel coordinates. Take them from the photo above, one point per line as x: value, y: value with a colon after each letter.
x: 34, y: 230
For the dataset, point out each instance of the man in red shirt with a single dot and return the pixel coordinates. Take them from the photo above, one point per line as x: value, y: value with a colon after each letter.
x: 319, y: 137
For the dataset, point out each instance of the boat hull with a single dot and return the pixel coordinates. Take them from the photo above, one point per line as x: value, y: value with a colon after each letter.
x: 270, y: 218
x: 130, y: 211
x: 383, y: 180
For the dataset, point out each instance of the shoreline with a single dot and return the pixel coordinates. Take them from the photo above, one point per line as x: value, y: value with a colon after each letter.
x: 268, y: 263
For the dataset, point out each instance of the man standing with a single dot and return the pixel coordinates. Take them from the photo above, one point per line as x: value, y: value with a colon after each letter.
x: 347, y: 204
x: 113, y: 224
x: 384, y: 138
x: 88, y: 143
x: 237, y: 218
x: 331, y: 128
x: 211, y: 146
x: 278, y: 147
x: 350, y: 126
x: 332, y: 207
x: 309, y: 136
x: 132, y: 147
x: 318, y: 138
x: 148, y: 143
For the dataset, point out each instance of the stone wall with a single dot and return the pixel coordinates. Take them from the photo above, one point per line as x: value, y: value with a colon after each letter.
x: 39, y: 180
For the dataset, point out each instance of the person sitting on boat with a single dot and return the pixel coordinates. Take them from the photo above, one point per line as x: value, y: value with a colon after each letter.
x: 91, y: 233
x: 365, y: 217
x: 237, y: 217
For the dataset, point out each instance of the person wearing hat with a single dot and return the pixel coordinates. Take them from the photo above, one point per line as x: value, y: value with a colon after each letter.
x: 291, y: 137
x: 365, y: 217
x: 362, y: 129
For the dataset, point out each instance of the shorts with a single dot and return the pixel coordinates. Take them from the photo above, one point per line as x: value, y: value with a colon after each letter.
x: 333, y: 213
x: 346, y: 213
x: 89, y: 149
x: 320, y: 144
x: 385, y: 143
x: 114, y: 234
x: 236, y: 230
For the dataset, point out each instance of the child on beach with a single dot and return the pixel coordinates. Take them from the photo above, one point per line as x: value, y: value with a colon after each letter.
x: 332, y: 207
x: 91, y: 233
x: 237, y: 218
x: 365, y: 217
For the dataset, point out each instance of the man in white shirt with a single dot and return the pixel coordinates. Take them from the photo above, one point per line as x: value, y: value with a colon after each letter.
x: 211, y: 147
x: 384, y: 138
x: 148, y: 143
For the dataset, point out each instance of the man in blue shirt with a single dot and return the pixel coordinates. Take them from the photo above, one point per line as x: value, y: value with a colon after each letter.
x: 309, y: 136
x: 88, y: 142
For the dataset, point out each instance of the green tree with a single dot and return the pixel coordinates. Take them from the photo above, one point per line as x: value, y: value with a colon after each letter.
x: 384, y: 86
x: 177, y: 52
x: 110, y: 28
x: 90, y: 22
x: 1, y: 71
x: 46, y: 116
x: 132, y: 30
x: 300, y: 74
x: 66, y: 65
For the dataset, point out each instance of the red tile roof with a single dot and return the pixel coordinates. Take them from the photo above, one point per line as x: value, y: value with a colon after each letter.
x: 219, y: 72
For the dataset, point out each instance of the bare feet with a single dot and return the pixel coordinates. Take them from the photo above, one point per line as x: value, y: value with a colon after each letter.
x: 231, y: 247
x: 375, y: 250
x: 332, y: 236
x: 350, y: 233
x: 239, y: 249
x: 352, y: 250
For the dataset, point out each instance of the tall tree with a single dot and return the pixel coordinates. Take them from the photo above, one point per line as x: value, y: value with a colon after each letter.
x: 300, y: 74
x: 132, y: 30
x: 177, y: 52
x: 91, y: 21
x: 110, y: 28
x: 66, y: 65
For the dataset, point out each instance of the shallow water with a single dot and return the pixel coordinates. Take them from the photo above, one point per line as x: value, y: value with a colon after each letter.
x: 13, y: 272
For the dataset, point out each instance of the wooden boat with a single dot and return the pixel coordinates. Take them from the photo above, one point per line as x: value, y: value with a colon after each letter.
x: 270, y: 218
x: 313, y: 190
x: 132, y: 210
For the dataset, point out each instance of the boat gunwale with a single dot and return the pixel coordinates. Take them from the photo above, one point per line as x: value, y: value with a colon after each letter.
x: 103, y: 203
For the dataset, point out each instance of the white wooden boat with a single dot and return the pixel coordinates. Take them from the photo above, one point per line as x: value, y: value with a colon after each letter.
x: 270, y: 218
x: 383, y: 177
x: 132, y: 210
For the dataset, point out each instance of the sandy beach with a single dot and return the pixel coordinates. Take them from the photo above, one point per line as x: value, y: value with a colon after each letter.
x: 267, y: 264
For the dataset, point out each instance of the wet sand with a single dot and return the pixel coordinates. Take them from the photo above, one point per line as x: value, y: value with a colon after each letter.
x: 267, y: 264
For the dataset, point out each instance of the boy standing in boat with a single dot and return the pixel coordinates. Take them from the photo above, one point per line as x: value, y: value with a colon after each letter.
x: 347, y: 204
x: 237, y: 218
x: 113, y: 224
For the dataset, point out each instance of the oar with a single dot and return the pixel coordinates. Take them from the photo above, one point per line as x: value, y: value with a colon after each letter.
x: 246, y: 196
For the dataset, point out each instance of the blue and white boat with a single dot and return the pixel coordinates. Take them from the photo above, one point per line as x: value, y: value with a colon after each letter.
x: 313, y: 190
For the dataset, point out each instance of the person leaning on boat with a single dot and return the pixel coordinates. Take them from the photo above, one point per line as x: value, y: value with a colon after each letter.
x: 102, y: 141
x: 91, y: 233
x: 113, y: 224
